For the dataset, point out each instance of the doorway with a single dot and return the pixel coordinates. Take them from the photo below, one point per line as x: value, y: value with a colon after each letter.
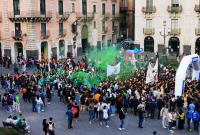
x: 149, y: 44
x: 18, y: 50
x: 174, y: 45
x: 44, y: 50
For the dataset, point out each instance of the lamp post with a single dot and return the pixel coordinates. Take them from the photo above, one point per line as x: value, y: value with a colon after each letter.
x: 164, y: 34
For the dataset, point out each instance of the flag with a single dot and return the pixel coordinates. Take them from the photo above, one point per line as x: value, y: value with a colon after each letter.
x: 155, y: 71
x: 113, y: 70
x: 149, y: 76
x: 133, y: 61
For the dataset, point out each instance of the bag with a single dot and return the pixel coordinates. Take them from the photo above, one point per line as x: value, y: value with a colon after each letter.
x: 24, y: 90
x: 74, y: 110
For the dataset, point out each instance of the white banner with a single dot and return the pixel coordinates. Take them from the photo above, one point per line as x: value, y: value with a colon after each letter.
x: 113, y: 70
x: 181, y: 73
x: 149, y: 76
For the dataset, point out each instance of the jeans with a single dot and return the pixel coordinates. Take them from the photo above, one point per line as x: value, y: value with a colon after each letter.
x: 100, y: 116
x: 122, y: 123
x: 170, y: 126
x: 34, y: 109
x: 188, y: 122
x: 106, y: 121
x: 141, y: 119
x: 112, y: 108
x: 164, y: 121
x: 91, y: 116
x: 38, y: 106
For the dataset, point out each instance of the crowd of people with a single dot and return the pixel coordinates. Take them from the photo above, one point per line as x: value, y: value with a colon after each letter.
x: 110, y: 97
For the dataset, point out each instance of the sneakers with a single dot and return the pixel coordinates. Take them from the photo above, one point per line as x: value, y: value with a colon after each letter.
x: 120, y: 129
x: 90, y: 122
x: 123, y: 128
x: 107, y: 126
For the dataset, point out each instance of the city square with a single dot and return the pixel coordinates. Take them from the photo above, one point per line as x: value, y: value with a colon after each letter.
x: 84, y: 67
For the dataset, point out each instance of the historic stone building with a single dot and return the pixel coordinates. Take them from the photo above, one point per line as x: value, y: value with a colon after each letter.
x: 168, y: 26
x: 54, y: 28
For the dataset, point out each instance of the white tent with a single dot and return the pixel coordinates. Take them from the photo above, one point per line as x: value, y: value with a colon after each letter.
x: 181, y: 72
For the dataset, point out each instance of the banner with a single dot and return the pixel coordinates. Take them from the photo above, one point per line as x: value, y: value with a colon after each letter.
x: 181, y: 73
x: 149, y: 76
x: 113, y: 70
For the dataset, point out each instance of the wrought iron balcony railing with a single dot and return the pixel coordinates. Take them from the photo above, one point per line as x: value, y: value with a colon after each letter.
x: 175, y: 31
x: 30, y: 16
x: 174, y: 9
x: 149, y: 31
x: 149, y: 10
x: 45, y: 34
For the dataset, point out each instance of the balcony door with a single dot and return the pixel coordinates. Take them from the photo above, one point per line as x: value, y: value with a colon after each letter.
x: 60, y: 7
x: 42, y: 7
x: 17, y: 30
x: 175, y: 3
x: 43, y: 29
x: 84, y: 7
x: 149, y: 3
x: 16, y: 7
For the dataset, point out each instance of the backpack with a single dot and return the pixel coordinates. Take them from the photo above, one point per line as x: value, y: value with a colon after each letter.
x: 51, y: 126
x: 195, y: 116
x: 74, y: 110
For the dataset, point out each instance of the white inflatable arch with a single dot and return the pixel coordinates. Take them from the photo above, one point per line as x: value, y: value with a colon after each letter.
x: 181, y: 72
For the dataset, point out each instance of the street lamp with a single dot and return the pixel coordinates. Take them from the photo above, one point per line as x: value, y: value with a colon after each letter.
x: 164, y: 34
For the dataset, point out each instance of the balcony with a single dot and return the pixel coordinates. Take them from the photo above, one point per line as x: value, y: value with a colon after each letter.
x: 175, y: 31
x: 104, y: 30
x: 197, y: 31
x: 88, y: 17
x: 149, y: 31
x: 123, y: 8
x: 115, y: 29
x: 149, y: 10
x: 62, y: 33
x: 32, y: 16
x: 85, y: 17
x: 45, y: 34
x: 197, y: 8
x: 63, y: 17
x: 175, y: 9
x: 106, y: 16
x: 17, y: 35
x: 115, y: 17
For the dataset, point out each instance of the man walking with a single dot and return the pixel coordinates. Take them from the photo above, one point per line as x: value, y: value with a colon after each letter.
x: 69, y: 114
x: 141, y: 111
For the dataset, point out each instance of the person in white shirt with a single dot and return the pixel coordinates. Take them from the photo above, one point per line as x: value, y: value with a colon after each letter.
x: 164, y: 113
x: 105, y: 116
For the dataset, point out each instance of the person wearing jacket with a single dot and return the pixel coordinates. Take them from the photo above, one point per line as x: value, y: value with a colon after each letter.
x: 69, y: 114
x: 141, y: 111
x: 195, y: 119
x: 160, y: 105
x: 189, y: 118
x: 181, y: 119
x: 122, y: 118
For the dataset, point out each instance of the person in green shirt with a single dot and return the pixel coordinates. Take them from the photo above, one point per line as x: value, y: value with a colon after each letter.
x: 17, y: 107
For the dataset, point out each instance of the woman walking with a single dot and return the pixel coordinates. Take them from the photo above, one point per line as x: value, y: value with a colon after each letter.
x: 45, y: 126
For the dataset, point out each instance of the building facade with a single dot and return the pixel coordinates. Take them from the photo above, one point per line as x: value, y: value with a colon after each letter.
x: 127, y: 18
x: 171, y: 26
x: 55, y: 28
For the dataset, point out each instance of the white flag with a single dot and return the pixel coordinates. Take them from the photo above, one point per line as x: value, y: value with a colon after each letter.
x: 149, y: 76
x: 113, y: 70
x: 155, y: 71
